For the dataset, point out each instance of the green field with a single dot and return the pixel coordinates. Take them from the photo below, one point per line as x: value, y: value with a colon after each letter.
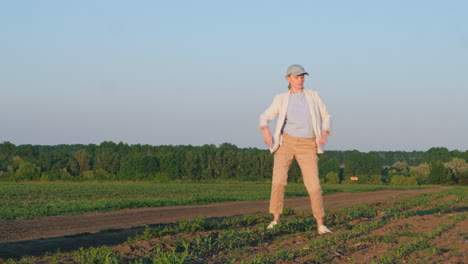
x: 427, y: 228
x: 33, y: 200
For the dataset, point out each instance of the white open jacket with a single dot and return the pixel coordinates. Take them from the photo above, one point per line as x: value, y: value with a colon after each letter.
x: 321, y: 119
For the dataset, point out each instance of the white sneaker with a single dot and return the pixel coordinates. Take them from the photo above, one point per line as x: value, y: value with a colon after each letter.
x: 272, y: 224
x: 323, y: 230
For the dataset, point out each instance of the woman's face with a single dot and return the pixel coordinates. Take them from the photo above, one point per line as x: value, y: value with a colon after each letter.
x: 296, y: 81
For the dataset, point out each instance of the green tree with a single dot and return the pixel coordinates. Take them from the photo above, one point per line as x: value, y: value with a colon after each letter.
x: 401, y: 166
x: 463, y: 178
x: 375, y: 179
x: 438, y: 174
x: 332, y: 178
x: 192, y: 166
x: 440, y: 154
x: 422, y: 170
x: 456, y: 167
x: 265, y: 164
x: 102, y: 175
x: 83, y: 158
x: 327, y: 164
x: 138, y: 168
x: 149, y: 166
x: 130, y: 168
x: 58, y: 165
x: 362, y: 165
x: 28, y: 152
x: 390, y: 157
x: 171, y: 163
x: 27, y: 171
x: 107, y: 158
x: 228, y: 158
x: 208, y: 162
x: 6, y: 149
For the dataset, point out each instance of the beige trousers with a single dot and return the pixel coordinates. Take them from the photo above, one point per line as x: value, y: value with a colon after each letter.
x: 305, y: 152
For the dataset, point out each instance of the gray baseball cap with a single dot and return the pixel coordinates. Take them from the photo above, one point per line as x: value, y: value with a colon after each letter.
x: 296, y: 69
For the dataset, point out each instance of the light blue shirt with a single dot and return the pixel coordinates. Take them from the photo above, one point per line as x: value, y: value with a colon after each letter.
x: 298, y: 121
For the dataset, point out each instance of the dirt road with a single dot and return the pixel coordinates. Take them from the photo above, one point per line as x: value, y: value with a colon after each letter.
x: 51, y: 233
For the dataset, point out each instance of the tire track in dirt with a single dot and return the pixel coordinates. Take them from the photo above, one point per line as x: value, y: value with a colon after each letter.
x: 37, y: 236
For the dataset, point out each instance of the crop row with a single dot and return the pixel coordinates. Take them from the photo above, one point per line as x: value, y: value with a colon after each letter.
x: 34, y: 200
x: 246, y: 240
x: 423, y: 241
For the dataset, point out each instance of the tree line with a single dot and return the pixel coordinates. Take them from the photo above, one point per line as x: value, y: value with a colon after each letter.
x: 111, y: 161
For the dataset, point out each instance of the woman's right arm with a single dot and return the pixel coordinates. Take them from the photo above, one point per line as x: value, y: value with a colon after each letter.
x: 267, y: 136
x: 270, y: 113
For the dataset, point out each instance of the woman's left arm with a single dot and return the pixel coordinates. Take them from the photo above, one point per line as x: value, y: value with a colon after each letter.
x: 326, y: 121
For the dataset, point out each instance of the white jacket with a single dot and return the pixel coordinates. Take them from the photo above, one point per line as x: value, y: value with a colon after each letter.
x: 321, y: 119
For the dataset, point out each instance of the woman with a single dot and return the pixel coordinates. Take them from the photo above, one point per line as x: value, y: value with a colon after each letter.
x: 302, y: 129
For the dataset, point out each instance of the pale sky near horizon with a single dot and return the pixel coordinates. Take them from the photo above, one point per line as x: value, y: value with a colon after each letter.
x: 393, y: 74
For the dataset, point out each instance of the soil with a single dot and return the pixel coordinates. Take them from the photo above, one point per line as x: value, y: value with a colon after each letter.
x: 35, y: 237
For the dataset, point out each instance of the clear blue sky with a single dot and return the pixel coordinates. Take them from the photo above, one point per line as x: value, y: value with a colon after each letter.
x: 394, y: 74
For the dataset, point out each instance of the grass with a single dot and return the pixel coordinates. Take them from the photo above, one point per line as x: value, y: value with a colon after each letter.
x: 34, y: 200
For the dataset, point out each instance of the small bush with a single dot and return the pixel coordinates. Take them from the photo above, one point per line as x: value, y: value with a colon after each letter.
x: 376, y: 179
x: 332, y: 178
